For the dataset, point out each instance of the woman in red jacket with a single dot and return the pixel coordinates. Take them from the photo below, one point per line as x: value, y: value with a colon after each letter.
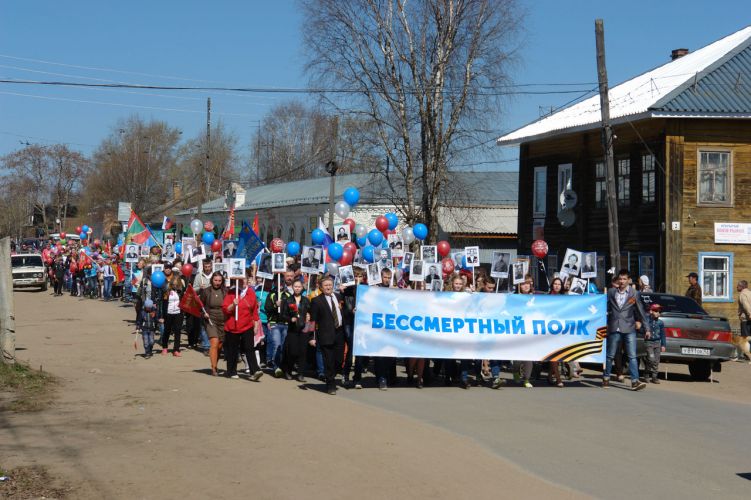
x: 239, y: 332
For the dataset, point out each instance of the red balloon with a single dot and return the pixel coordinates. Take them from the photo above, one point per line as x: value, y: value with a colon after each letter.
x: 208, y: 226
x: 443, y: 248
x: 539, y: 248
x: 351, y: 247
x: 389, y: 232
x: 62, y: 236
x: 447, y: 265
x: 351, y: 223
x: 78, y: 229
x: 277, y: 245
x: 346, y: 258
x: 216, y: 246
x: 382, y: 223
x: 187, y: 269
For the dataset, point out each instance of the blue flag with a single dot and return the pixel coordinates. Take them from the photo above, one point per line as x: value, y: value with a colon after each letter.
x: 248, y: 244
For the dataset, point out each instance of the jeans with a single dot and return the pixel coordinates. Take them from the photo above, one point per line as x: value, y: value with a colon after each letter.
x: 275, y: 345
x: 148, y: 341
x: 108, y: 286
x: 653, y: 357
x: 205, y: 344
x: 629, y: 339
x: 319, y: 362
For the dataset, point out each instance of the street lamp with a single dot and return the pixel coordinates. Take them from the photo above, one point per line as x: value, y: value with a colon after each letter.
x: 331, y: 167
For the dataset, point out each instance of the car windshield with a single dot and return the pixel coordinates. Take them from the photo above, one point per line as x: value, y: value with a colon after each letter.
x: 26, y: 260
x: 673, y: 303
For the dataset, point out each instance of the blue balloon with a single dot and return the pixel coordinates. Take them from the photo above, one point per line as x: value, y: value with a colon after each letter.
x: 179, y: 247
x: 368, y: 253
x: 351, y: 196
x: 293, y: 248
x: 208, y: 238
x: 318, y: 236
x: 158, y: 279
x: 335, y: 251
x: 420, y: 231
x: 85, y: 229
x: 83, y: 235
x: 361, y: 242
x: 393, y: 220
x: 375, y: 237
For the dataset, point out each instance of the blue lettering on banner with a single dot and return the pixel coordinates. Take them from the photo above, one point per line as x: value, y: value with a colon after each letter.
x: 517, y: 326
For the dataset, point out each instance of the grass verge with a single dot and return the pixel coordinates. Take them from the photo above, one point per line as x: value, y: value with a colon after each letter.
x: 24, y: 389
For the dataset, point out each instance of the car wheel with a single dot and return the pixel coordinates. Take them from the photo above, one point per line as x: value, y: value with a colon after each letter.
x: 700, y: 369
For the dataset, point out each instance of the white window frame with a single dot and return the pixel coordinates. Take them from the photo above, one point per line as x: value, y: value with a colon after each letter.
x: 728, y: 256
x: 544, y: 172
x: 730, y: 177
x: 565, y: 181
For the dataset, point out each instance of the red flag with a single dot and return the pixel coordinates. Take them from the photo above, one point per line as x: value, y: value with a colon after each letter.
x: 229, y: 230
x: 190, y: 303
x: 256, y: 227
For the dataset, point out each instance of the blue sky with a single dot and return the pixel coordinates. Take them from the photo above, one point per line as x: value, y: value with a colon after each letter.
x: 254, y: 43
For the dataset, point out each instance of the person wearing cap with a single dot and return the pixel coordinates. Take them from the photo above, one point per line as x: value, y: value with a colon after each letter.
x: 654, y: 342
x: 694, y: 290
x: 148, y: 325
x: 643, y: 285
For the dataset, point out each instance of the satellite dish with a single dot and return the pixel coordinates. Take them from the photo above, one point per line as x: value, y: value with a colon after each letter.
x: 568, y: 199
x: 566, y: 217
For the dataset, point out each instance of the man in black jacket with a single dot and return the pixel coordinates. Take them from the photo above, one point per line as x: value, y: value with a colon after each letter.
x: 326, y: 313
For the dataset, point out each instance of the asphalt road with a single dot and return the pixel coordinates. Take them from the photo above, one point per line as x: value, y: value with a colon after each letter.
x: 607, y: 443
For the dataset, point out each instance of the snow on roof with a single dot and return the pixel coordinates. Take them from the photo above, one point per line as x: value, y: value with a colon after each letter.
x: 632, y: 98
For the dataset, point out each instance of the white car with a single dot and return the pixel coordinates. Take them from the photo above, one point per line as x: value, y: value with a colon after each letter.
x: 28, y: 270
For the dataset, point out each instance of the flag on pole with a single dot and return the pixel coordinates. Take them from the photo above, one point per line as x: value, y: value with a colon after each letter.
x: 248, y: 244
x: 327, y: 240
x: 191, y: 303
x: 256, y: 227
x: 229, y: 229
x: 139, y: 233
x: 167, y: 223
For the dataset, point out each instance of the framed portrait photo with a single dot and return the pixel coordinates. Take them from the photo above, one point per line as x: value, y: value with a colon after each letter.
x: 396, y: 246
x: 236, y: 268
x: 342, y: 233
x: 278, y: 262
x: 473, y: 256
x: 374, y: 274
x: 416, y: 270
x: 429, y: 253
x: 311, y: 259
x: 589, y: 265
x: 347, y: 276
x: 572, y: 262
x: 264, y: 268
x: 499, y: 268
x: 132, y: 253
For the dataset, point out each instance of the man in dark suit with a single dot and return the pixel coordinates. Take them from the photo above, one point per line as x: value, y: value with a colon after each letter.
x: 326, y: 313
x: 624, y: 310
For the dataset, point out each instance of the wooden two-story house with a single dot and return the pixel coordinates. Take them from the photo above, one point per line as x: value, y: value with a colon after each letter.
x: 682, y: 143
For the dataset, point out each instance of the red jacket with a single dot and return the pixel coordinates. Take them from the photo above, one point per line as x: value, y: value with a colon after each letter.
x: 247, y: 313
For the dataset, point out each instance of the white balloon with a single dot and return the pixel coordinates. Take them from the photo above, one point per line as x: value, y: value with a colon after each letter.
x: 333, y: 268
x: 342, y: 209
x: 408, y: 236
x: 196, y: 226
x: 360, y: 230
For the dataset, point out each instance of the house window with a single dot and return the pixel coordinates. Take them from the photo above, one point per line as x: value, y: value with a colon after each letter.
x: 624, y: 182
x: 291, y: 232
x: 647, y: 268
x: 715, y: 276
x: 538, y: 195
x: 552, y: 264
x: 602, y: 275
x: 648, y: 178
x: 714, y: 182
x: 601, y: 190
x: 302, y: 236
x: 564, y: 181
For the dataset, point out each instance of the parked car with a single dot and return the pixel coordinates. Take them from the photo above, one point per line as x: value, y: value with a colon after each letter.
x: 28, y: 271
x: 694, y: 337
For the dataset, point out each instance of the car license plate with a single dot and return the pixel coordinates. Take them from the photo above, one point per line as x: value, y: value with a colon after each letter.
x: 696, y: 351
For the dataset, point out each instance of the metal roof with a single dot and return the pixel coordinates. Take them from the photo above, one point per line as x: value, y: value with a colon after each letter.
x: 478, y: 220
x: 638, y: 97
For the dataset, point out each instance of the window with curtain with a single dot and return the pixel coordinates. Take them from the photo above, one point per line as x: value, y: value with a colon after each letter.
x: 715, y: 276
x: 648, y: 179
x: 714, y: 182
x: 623, y: 178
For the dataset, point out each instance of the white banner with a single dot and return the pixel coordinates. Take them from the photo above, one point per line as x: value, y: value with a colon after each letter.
x: 732, y: 232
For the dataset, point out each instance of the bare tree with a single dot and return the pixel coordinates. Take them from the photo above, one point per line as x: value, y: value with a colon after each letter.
x: 425, y: 73
x: 67, y: 170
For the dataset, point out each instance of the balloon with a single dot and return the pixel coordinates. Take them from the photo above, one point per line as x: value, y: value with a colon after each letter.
x: 277, y: 245
x: 393, y: 220
x: 351, y: 196
x: 293, y: 248
x: 216, y: 247
x: 62, y: 236
x: 332, y: 268
x: 83, y: 235
x: 187, y: 269
x: 447, y: 265
x: 420, y: 230
x: 346, y: 258
x: 389, y: 232
x: 381, y: 223
x: 443, y: 248
x: 351, y: 224
x: 78, y: 229
x: 368, y: 253
x: 375, y: 236
x: 318, y: 236
x: 208, y: 226
x: 179, y: 247
x: 539, y: 249
x: 350, y: 247
x: 208, y: 238
x: 408, y: 236
x: 158, y: 279
x: 196, y: 226
x: 342, y: 209
x: 85, y: 228
x: 361, y: 230
x: 335, y: 251
x: 362, y: 241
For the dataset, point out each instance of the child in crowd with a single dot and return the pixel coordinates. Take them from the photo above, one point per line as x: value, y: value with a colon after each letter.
x: 148, y: 325
x: 655, y: 342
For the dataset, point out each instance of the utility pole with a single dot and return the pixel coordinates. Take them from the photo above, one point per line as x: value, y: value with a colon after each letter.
x: 331, y: 167
x: 205, y: 167
x: 7, y: 318
x: 607, y: 145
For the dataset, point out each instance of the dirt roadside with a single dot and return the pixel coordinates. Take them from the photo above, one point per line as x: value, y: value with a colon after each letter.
x: 126, y: 427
